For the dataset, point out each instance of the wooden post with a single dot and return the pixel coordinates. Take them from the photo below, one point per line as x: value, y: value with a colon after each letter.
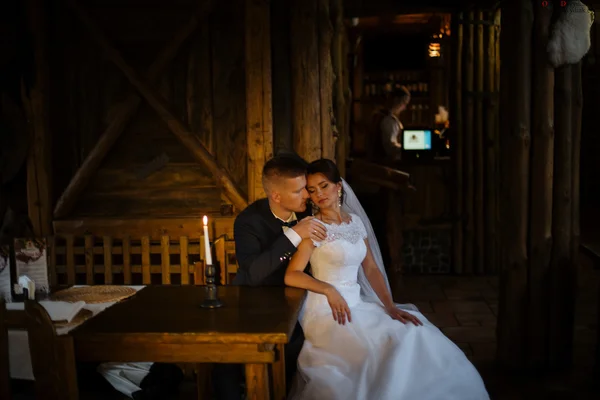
x: 491, y: 150
x: 540, y: 223
x: 469, y: 146
x: 306, y: 99
x: 517, y: 18
x: 479, y: 152
x: 576, y: 109
x: 326, y: 80
x: 338, y: 59
x: 458, y: 146
x: 562, y: 270
x: 259, y: 114
x: 281, y: 76
x: 39, y: 196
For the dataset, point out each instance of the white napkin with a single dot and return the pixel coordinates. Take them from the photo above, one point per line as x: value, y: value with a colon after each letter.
x: 61, y: 310
x: 25, y: 283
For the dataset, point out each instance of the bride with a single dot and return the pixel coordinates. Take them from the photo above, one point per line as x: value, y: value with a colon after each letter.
x: 358, y: 343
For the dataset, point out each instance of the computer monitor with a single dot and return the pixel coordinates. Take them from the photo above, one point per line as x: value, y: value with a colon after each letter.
x: 417, y: 139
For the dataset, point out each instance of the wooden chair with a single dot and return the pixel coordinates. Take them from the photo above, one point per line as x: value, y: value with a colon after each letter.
x: 5, y: 392
x: 52, y: 356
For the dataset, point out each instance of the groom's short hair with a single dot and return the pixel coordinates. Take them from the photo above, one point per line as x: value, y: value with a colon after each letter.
x: 282, y: 167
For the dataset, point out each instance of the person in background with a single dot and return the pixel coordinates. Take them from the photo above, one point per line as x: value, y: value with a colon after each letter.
x: 387, y: 139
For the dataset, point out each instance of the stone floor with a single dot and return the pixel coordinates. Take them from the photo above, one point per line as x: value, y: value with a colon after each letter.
x: 465, y: 309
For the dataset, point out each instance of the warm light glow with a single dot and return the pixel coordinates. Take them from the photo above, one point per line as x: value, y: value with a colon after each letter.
x: 205, y: 220
x: 434, y: 50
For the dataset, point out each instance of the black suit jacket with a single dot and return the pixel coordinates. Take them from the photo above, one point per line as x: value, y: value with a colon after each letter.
x: 262, y: 250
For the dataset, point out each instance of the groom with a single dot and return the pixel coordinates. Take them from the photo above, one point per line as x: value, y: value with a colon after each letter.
x: 267, y: 234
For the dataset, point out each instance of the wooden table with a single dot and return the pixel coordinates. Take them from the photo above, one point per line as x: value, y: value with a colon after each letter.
x: 166, y: 324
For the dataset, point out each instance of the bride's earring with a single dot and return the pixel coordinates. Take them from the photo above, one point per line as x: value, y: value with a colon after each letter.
x: 340, y: 198
x: 314, y: 208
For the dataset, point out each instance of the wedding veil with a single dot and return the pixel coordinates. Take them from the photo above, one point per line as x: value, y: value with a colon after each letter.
x: 352, y: 205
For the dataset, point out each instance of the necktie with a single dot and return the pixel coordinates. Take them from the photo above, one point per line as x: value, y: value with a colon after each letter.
x: 288, y: 224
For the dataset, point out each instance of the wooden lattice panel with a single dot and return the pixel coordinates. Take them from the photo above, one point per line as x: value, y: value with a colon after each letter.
x: 138, y: 251
x: 106, y: 260
x: 225, y: 251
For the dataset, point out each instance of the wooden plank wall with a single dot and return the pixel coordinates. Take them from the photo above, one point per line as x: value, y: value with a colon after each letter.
x: 86, y: 88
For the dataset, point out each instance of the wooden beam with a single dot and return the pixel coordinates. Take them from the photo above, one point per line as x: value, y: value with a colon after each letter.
x: 281, y: 76
x: 39, y: 196
x: 199, y: 91
x: 326, y: 80
x: 160, y: 105
x: 122, y: 114
x: 259, y: 114
x: 306, y: 102
x: 339, y: 61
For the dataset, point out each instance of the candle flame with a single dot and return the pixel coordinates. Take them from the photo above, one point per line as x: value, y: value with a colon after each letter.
x: 205, y: 220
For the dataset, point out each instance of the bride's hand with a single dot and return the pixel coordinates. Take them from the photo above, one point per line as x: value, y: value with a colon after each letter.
x: 339, y: 307
x: 402, y: 316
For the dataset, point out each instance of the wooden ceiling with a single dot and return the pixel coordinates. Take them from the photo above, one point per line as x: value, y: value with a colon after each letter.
x: 421, y: 22
x: 372, y: 8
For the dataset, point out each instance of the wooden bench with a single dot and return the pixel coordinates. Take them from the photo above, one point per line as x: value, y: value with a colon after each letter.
x: 142, y: 252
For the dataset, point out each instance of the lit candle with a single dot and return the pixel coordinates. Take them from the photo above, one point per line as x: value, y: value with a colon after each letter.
x: 207, y: 242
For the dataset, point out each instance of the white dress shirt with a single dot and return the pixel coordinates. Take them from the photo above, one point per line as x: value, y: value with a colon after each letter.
x: 290, y: 233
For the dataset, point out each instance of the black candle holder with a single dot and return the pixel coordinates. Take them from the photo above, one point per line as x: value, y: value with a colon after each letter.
x: 211, y: 297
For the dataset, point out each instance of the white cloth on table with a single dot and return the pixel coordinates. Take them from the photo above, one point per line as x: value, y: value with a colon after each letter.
x: 125, y: 377
x: 18, y: 342
x: 62, y: 310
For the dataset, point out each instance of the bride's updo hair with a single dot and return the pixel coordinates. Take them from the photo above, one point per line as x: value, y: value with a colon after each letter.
x: 328, y: 168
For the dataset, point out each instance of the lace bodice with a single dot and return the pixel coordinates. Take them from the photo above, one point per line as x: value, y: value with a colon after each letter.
x: 336, y: 260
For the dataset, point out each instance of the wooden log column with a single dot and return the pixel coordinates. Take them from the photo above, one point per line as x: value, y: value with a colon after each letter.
x: 326, y: 80
x: 338, y: 59
x: 539, y: 212
x: 517, y: 22
x: 312, y: 79
x: 490, y: 255
x: 469, y: 145
x: 39, y: 196
x: 281, y: 76
x: 306, y: 101
x: 457, y: 237
x: 259, y: 115
x: 542, y: 160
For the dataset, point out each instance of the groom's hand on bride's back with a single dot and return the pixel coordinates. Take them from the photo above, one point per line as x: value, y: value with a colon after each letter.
x: 311, y: 228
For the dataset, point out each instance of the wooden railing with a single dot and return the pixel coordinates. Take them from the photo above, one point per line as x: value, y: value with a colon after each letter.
x: 137, y: 252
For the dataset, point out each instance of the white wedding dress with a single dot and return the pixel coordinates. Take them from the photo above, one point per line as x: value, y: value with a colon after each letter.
x: 373, y: 357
